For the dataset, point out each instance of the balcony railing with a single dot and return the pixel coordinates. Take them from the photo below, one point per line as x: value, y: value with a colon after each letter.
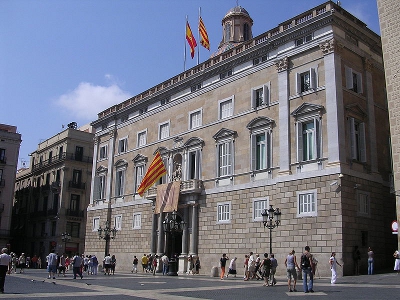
x: 59, y: 158
x: 74, y: 213
x: 77, y: 185
x: 192, y: 186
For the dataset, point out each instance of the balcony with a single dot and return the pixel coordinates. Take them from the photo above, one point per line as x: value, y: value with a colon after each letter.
x: 74, y: 213
x: 77, y: 185
x: 192, y: 186
x: 60, y: 158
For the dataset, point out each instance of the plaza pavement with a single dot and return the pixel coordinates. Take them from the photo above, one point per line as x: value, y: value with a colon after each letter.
x: 33, y: 284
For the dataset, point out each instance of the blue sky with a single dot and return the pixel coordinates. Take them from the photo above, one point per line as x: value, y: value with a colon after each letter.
x: 64, y: 61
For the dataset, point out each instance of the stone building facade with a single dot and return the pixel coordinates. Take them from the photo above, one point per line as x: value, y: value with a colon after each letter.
x: 52, y: 194
x: 10, y: 141
x: 389, y: 10
x: 288, y: 118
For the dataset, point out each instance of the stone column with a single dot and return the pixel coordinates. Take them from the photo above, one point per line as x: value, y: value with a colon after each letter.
x: 161, y: 236
x: 110, y: 165
x: 183, y: 257
x: 284, y: 126
x: 195, y: 231
x: 153, y: 241
x: 334, y: 102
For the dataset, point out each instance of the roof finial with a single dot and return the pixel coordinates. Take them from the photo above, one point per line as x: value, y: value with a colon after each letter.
x: 237, y: 2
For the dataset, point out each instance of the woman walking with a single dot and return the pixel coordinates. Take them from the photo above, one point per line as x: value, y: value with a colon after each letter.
x: 291, y: 265
x: 370, y: 261
x: 333, y: 262
x: 232, y: 267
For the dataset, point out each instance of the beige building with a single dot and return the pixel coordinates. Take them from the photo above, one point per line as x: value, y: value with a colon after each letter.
x: 10, y: 141
x: 51, y: 195
x: 288, y: 118
x: 389, y: 11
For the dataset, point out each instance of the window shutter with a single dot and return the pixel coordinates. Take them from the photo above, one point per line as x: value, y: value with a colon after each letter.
x: 268, y: 141
x: 298, y: 83
x: 313, y: 78
x: 97, y: 187
x: 349, y: 77
x: 318, y: 148
x: 229, y: 158
x: 299, y: 141
x: 352, y: 139
x: 253, y: 98
x: 253, y: 153
x: 359, y: 83
x: 265, y: 94
x: 363, y: 155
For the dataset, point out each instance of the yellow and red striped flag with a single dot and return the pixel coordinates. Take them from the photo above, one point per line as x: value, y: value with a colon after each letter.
x: 154, y: 172
x: 203, y: 35
x: 190, y: 39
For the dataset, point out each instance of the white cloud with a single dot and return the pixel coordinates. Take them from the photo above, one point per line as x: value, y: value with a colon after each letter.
x: 87, y: 100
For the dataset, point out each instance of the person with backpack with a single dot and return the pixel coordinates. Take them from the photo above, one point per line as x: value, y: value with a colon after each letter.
x: 134, y: 264
x: 266, y: 267
x: 307, y: 267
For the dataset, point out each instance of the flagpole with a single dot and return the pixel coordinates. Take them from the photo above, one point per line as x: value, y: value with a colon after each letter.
x: 184, y: 51
x: 198, y: 37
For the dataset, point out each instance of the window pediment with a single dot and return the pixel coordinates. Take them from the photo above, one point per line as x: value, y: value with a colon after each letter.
x: 307, y: 109
x: 224, y: 133
x: 194, y: 141
x: 162, y: 151
x: 121, y: 163
x: 139, y: 159
x: 101, y: 169
x: 356, y: 111
x: 260, y: 122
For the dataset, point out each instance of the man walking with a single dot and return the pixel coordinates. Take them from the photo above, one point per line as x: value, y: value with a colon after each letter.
x: 307, y: 267
x: 52, y: 259
x: 165, y: 262
x: 77, y: 265
x: 5, y: 266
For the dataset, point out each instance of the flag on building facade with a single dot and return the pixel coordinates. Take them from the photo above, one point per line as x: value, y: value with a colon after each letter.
x: 154, y: 172
x: 203, y: 35
x: 190, y: 39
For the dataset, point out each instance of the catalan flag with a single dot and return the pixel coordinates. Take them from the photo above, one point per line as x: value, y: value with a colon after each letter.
x: 190, y: 39
x: 154, y: 172
x: 203, y: 35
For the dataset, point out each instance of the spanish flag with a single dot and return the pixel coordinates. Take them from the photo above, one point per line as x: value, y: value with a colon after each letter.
x: 190, y: 39
x: 203, y: 35
x: 154, y: 172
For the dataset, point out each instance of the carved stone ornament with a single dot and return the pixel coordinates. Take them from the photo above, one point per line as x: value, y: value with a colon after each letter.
x: 282, y: 64
x: 368, y: 65
x: 330, y: 46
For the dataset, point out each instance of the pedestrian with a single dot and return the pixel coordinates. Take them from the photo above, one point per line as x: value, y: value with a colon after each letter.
x: 191, y: 264
x: 251, y: 266
x: 134, y: 264
x: 222, y: 262
x: 307, y: 267
x: 5, y: 267
x: 113, y: 264
x: 333, y: 262
x: 85, y: 263
x: 52, y: 259
x: 90, y: 268
x: 246, y: 266
x: 95, y: 264
x: 291, y: 265
x: 197, y: 265
x: 28, y: 262
x: 145, y: 261
x: 266, y: 269
x: 257, y: 271
x: 232, y: 267
x: 154, y: 262
x: 34, y: 261
x: 77, y: 263
x: 22, y: 263
x: 274, y: 265
x: 107, y: 264
x: 356, y: 260
x: 165, y: 262
x: 14, y: 262
x: 396, y: 256
x: 370, y: 261
x: 39, y: 262
x: 61, y: 265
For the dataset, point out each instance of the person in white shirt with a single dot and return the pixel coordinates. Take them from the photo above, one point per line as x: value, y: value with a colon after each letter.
x: 107, y: 264
x: 333, y: 262
x: 52, y: 259
x: 77, y: 265
x: 5, y: 267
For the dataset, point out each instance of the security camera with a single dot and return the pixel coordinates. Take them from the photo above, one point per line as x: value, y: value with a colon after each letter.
x: 341, y: 175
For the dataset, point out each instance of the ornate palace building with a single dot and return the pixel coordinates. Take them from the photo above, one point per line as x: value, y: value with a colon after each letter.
x: 296, y: 118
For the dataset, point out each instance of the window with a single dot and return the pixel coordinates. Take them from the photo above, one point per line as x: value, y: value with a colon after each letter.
x: 60, y: 152
x: 304, y: 40
x: 53, y: 228
x: 195, y: 119
x: 163, y: 130
x: 353, y: 80
x: 123, y: 145
x: 258, y: 207
x: 99, y: 187
x: 50, y: 156
x: 142, y: 138
x: 225, y: 159
x: 260, y: 96
x: 76, y: 177
x: 224, y: 212
x: 118, y: 222
x: 258, y: 60
x: 225, y: 108
x: 227, y: 32
x: 225, y: 74
x: 307, y: 203
x: 308, y: 140
x: 103, y: 152
x: 164, y: 101
x: 261, y: 150
x: 96, y: 223
x: 119, y: 183
x: 306, y: 81
x: 363, y: 203
x: 246, y: 32
x: 137, y: 221
x: 195, y: 87
x: 74, y: 204
x: 139, y: 173
x: 357, y: 134
x: 142, y: 110
x: 2, y: 155
x: 194, y: 164
x: 78, y: 153
x: 73, y: 229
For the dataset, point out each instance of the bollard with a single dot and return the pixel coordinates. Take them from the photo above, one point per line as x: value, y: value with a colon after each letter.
x: 214, y: 272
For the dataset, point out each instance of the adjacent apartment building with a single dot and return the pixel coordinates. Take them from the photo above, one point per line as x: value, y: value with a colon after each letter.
x: 10, y: 141
x: 52, y: 194
x: 296, y: 118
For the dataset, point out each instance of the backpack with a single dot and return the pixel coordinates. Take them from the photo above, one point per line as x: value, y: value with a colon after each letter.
x: 305, y: 261
x: 135, y: 261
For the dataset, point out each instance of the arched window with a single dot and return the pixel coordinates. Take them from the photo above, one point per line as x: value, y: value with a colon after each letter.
x: 227, y: 32
x: 246, y: 32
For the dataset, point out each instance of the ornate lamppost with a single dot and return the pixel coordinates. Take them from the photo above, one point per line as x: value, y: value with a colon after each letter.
x: 106, y: 234
x: 172, y: 227
x: 269, y: 222
x: 65, y: 237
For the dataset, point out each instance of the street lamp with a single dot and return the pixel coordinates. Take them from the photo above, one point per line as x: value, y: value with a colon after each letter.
x: 172, y: 226
x: 65, y: 237
x: 270, y: 223
x: 106, y: 234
